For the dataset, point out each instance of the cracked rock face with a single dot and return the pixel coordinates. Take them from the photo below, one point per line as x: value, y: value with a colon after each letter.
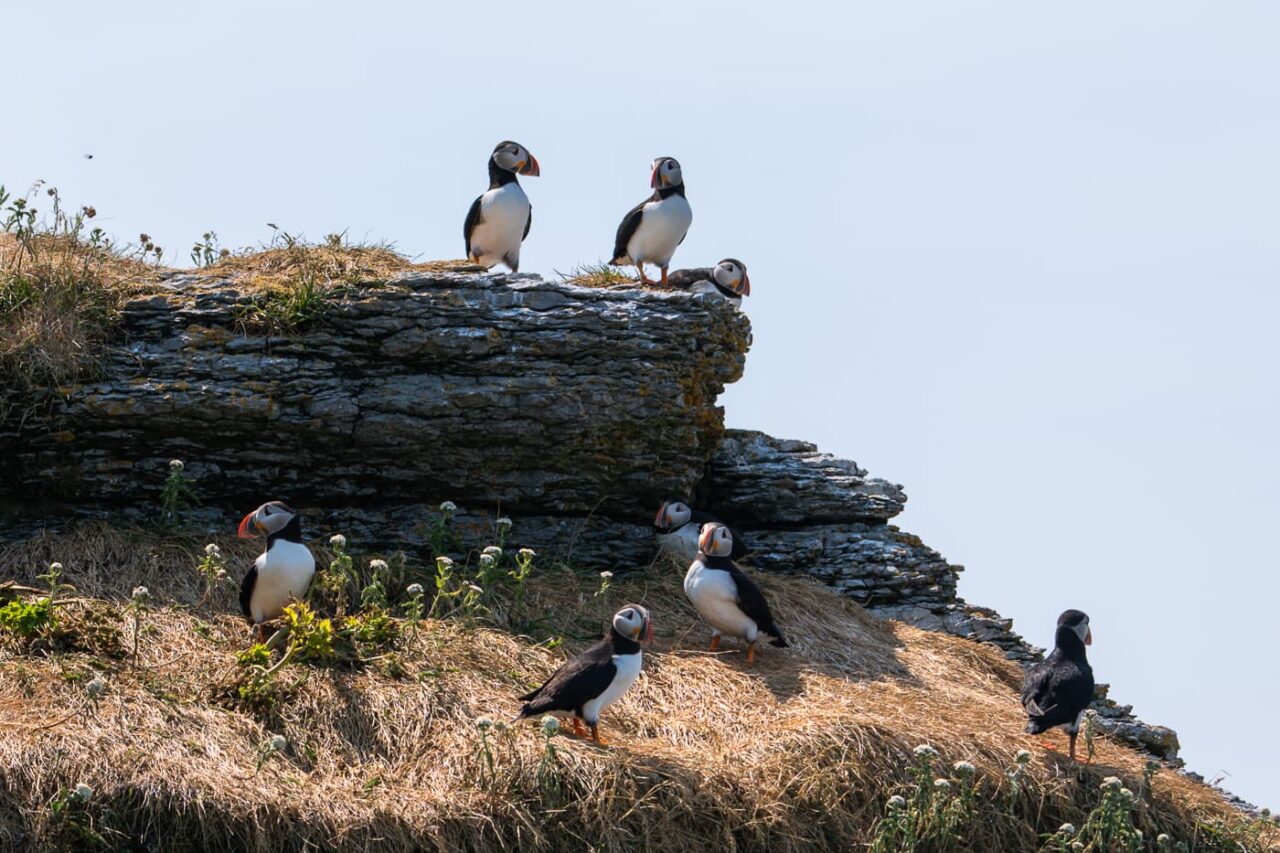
x: 540, y: 396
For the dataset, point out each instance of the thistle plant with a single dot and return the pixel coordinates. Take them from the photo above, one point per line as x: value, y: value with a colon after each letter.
x: 1110, y: 824
x: 176, y: 496
x: 442, y: 530
x: 1149, y: 771
x: 602, y: 594
x: 212, y: 569
x: 205, y: 251
x: 139, y: 604
x: 93, y: 691
x: 520, y: 574
x: 550, y: 785
x: 483, y: 749
x: 1090, y: 729
x: 1014, y: 774
x: 933, y: 813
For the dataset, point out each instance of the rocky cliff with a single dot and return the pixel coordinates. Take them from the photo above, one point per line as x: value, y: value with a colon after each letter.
x: 575, y: 410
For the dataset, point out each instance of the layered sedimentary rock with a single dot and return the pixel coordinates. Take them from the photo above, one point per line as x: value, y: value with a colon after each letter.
x: 574, y: 410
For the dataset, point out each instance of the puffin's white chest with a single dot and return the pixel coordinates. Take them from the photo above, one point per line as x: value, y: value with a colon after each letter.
x: 503, y: 214
x: 284, y: 572
x: 681, y: 544
x: 628, y: 670
x: 715, y: 596
x: 663, y: 225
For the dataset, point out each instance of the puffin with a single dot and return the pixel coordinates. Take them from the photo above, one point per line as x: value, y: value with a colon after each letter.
x: 727, y: 278
x: 676, y: 530
x: 651, y: 230
x: 730, y: 602
x: 282, y: 572
x: 499, y: 219
x: 587, y: 684
x: 1056, y: 691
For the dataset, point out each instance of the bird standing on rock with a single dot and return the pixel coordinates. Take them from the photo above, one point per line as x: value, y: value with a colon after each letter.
x: 676, y: 529
x: 282, y: 572
x: 584, y: 686
x: 730, y: 602
x: 499, y: 219
x: 727, y: 278
x: 651, y: 231
x: 1056, y: 692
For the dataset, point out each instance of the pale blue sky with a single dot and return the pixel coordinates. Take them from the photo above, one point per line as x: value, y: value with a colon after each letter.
x: 1021, y: 258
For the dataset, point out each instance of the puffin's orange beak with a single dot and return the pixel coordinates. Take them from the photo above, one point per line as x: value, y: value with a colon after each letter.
x: 531, y: 168
x: 653, y: 179
x: 746, y: 284
x: 1088, y: 637
x: 248, y: 527
x: 648, y: 631
x: 661, y: 516
x: 707, y: 537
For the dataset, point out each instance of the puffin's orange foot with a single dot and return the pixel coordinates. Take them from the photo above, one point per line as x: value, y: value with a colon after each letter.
x: 595, y: 736
x: 751, y: 653
x: 578, y: 730
x: 1049, y: 745
x: 715, y: 643
x: 664, y: 277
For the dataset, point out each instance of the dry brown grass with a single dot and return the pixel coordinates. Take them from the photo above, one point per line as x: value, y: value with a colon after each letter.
x: 798, y: 753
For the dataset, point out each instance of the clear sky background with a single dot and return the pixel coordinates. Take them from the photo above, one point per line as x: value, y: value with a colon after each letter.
x: 1022, y: 258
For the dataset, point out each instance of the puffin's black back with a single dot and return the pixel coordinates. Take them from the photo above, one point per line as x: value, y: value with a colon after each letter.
x: 580, y: 679
x: 751, y: 599
x: 1056, y: 691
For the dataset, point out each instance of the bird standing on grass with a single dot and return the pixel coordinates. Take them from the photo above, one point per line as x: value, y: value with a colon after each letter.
x: 584, y: 686
x: 282, y: 572
x: 730, y: 602
x: 499, y: 219
x: 1056, y: 692
x: 727, y: 278
x: 651, y: 231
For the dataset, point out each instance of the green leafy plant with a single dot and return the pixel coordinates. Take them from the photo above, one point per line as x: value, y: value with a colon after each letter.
x: 27, y: 619
x: 139, y: 604
x: 520, y: 575
x: 332, y: 586
x: 177, y: 495
x: 205, y: 251
x: 212, y: 570
x: 933, y: 812
x: 549, y: 775
x: 442, y: 539
x: 602, y: 594
x: 1110, y: 825
x: 310, y: 637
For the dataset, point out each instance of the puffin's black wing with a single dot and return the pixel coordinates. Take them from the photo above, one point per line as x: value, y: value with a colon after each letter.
x: 1055, y: 692
x: 573, y: 685
x: 246, y: 590
x: 688, y: 278
x: 528, y: 222
x: 473, y: 219
x: 751, y: 601
x: 627, y: 230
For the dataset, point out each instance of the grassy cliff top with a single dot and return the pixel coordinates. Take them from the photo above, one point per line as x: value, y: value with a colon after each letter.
x: 381, y: 748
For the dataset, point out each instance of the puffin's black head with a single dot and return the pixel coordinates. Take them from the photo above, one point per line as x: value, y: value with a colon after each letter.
x: 633, y: 622
x: 715, y: 540
x: 731, y: 274
x: 1077, y: 623
x: 514, y: 157
x: 672, y: 514
x: 269, y: 518
x: 666, y: 174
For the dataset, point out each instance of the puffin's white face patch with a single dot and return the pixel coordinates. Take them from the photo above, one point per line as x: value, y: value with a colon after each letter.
x: 1082, y: 629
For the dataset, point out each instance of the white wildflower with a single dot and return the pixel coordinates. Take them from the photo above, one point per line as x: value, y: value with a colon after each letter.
x: 550, y: 725
x: 504, y: 523
x: 476, y: 589
x: 942, y: 784
x: 141, y: 594
x: 925, y: 751
x: 964, y: 768
x: 1067, y: 829
x: 527, y: 553
x: 212, y: 550
x: 338, y: 541
x: 486, y: 560
x: 484, y: 723
x: 448, y: 507
x: 896, y: 802
x: 413, y: 589
x: 499, y: 726
x: 1022, y: 756
x: 606, y: 575
x: 1111, y: 782
x: 1077, y: 845
x: 278, y: 742
x: 492, y: 551
x: 1163, y: 839
x: 176, y: 465
x: 84, y: 793
x: 55, y: 567
x: 444, y: 563
x: 1127, y: 794
x: 377, y: 565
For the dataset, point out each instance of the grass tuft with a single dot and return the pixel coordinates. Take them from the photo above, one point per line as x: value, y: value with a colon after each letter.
x: 599, y: 275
